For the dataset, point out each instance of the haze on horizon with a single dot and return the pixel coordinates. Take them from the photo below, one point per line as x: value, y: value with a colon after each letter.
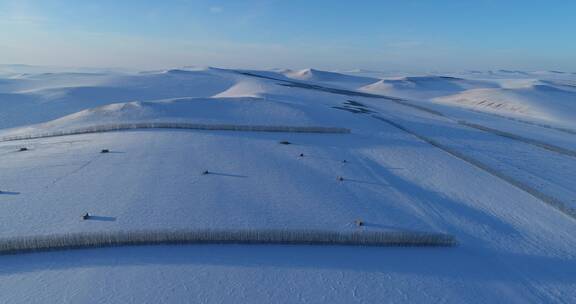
x: 409, y: 35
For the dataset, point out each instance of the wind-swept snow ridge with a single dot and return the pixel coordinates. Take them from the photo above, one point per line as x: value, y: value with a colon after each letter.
x: 291, y: 237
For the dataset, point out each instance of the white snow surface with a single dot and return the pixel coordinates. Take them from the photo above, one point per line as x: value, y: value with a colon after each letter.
x: 331, y: 78
x: 411, y: 165
x: 543, y: 102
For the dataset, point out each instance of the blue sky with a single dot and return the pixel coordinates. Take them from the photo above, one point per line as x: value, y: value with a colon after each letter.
x: 337, y: 34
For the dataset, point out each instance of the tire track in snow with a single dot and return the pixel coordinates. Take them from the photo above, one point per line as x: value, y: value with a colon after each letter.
x: 547, y: 199
x: 86, y: 164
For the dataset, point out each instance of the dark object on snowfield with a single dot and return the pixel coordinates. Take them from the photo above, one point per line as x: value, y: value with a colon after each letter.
x: 205, y: 172
x: 359, y: 223
x: 85, y: 216
x: 105, y: 151
x: 285, y: 142
x: 301, y: 154
x: 340, y: 178
x: 23, y: 149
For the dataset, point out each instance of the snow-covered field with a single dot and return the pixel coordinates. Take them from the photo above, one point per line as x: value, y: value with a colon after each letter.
x: 487, y: 157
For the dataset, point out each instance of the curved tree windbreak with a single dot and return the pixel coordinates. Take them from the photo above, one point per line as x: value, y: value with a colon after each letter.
x: 171, y: 125
x: 182, y: 237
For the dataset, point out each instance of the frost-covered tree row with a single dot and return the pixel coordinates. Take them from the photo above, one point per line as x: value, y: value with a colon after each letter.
x: 300, y: 237
x: 170, y: 125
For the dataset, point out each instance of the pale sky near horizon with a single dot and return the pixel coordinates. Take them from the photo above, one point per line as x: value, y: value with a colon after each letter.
x: 370, y: 34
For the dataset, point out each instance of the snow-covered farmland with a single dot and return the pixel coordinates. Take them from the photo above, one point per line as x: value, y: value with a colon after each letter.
x: 424, y: 154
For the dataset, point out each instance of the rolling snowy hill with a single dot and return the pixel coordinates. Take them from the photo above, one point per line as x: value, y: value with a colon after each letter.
x: 539, y: 101
x: 424, y: 87
x: 424, y: 154
x: 547, y: 101
x: 334, y: 79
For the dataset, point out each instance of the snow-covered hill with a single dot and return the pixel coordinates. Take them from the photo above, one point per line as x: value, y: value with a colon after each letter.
x: 45, y: 97
x: 335, y: 79
x: 550, y: 100
x: 424, y: 87
x: 503, y: 185
x: 542, y: 102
